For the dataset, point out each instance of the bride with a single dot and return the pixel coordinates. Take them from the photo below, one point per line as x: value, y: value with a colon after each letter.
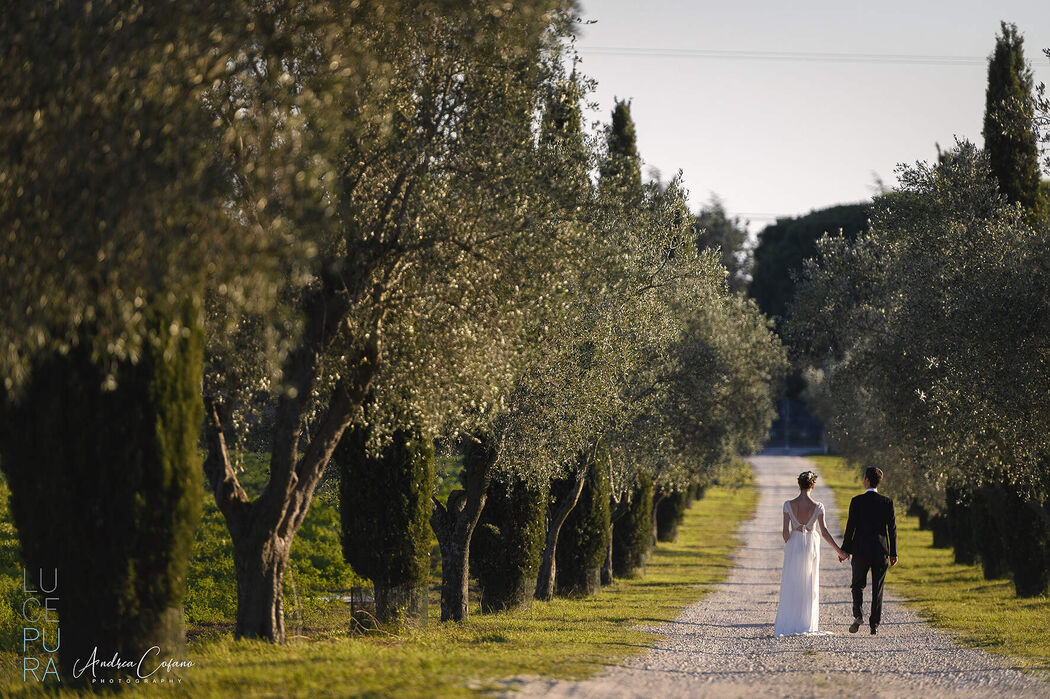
x: 799, y: 607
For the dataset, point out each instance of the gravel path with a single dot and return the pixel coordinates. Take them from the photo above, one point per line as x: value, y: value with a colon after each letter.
x: 723, y: 646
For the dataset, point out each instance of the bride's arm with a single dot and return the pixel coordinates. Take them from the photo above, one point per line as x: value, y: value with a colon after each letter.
x: 827, y: 535
x: 787, y: 526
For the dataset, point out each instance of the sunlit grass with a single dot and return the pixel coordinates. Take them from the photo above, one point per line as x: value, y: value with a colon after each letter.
x: 981, y: 613
x: 565, y: 638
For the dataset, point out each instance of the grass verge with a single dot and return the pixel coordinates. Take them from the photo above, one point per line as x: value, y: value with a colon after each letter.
x: 567, y: 638
x: 981, y: 613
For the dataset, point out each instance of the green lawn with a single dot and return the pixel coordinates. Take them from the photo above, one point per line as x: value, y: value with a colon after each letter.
x: 565, y: 638
x: 981, y: 613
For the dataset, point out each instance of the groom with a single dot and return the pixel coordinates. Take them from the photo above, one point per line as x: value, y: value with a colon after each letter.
x: 871, y: 541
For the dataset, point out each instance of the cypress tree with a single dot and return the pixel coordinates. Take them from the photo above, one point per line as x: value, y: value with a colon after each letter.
x: 621, y: 172
x: 669, y: 514
x: 961, y: 524
x: 989, y: 507
x: 584, y: 536
x: 505, y: 556
x: 632, y: 533
x: 561, y: 135
x: 940, y: 525
x: 106, y: 490
x: 384, y: 505
x: 1009, y: 131
x: 1028, y: 546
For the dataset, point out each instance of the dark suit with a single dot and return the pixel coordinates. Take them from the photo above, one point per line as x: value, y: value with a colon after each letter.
x: 871, y: 540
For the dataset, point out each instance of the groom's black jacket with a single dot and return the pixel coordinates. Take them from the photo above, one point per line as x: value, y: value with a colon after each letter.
x: 871, y: 529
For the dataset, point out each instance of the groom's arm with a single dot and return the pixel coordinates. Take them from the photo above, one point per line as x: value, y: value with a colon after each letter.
x: 851, y: 529
x: 891, y: 530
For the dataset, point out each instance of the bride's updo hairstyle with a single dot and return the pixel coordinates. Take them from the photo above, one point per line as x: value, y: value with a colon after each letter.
x: 806, y: 480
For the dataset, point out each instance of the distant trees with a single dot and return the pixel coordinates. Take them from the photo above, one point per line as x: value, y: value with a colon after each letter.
x: 716, y: 229
x: 784, y: 246
x: 933, y: 349
x: 621, y: 169
x: 1010, y: 136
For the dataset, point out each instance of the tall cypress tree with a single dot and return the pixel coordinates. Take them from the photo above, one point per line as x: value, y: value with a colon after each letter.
x: 384, y: 503
x: 621, y: 172
x: 505, y: 556
x: 106, y: 492
x: 561, y: 135
x: 1009, y: 132
x: 633, y: 532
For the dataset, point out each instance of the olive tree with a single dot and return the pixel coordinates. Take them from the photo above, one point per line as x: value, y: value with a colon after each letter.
x: 424, y: 228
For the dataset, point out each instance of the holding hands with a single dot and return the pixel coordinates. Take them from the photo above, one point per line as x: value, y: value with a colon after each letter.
x: 842, y: 555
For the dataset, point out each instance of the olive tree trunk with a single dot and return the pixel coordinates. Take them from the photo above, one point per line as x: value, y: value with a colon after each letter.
x: 559, y: 513
x: 262, y: 529
x: 454, y: 524
x: 260, y: 566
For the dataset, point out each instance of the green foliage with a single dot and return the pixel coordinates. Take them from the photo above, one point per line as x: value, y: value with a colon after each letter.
x: 714, y: 228
x: 621, y: 170
x: 385, y: 504
x: 1010, y: 136
x: 669, y: 514
x: 505, y: 550
x: 783, y: 246
x: 584, y: 541
x: 11, y: 595
x: 105, y: 485
x: 633, y: 532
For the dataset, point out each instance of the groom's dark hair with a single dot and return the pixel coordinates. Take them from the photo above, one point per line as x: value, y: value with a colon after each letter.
x: 874, y: 476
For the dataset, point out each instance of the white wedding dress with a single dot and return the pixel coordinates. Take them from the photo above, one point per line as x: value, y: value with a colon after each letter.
x: 798, y: 610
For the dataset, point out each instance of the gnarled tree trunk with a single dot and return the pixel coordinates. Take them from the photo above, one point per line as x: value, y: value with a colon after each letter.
x: 260, y: 563
x: 545, y: 578
x: 263, y: 529
x: 454, y: 524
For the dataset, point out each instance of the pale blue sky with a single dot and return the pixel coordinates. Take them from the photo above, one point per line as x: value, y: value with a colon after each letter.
x: 786, y: 136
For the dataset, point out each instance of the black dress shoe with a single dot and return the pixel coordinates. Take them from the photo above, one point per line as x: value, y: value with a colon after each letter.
x: 874, y: 630
x: 855, y: 626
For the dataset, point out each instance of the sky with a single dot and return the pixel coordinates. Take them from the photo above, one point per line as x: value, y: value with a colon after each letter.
x: 779, y: 135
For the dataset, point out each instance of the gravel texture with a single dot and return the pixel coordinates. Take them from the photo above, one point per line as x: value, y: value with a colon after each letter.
x: 723, y: 646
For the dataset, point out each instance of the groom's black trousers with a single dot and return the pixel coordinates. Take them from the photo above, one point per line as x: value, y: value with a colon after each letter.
x: 878, y: 567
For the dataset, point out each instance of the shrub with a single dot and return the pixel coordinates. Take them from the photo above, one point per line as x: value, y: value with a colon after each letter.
x: 989, y: 510
x: 633, y: 532
x: 1028, y: 546
x: 105, y: 486
x: 584, y: 538
x: 385, y: 511
x: 669, y: 514
x: 505, y: 551
x: 961, y: 524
